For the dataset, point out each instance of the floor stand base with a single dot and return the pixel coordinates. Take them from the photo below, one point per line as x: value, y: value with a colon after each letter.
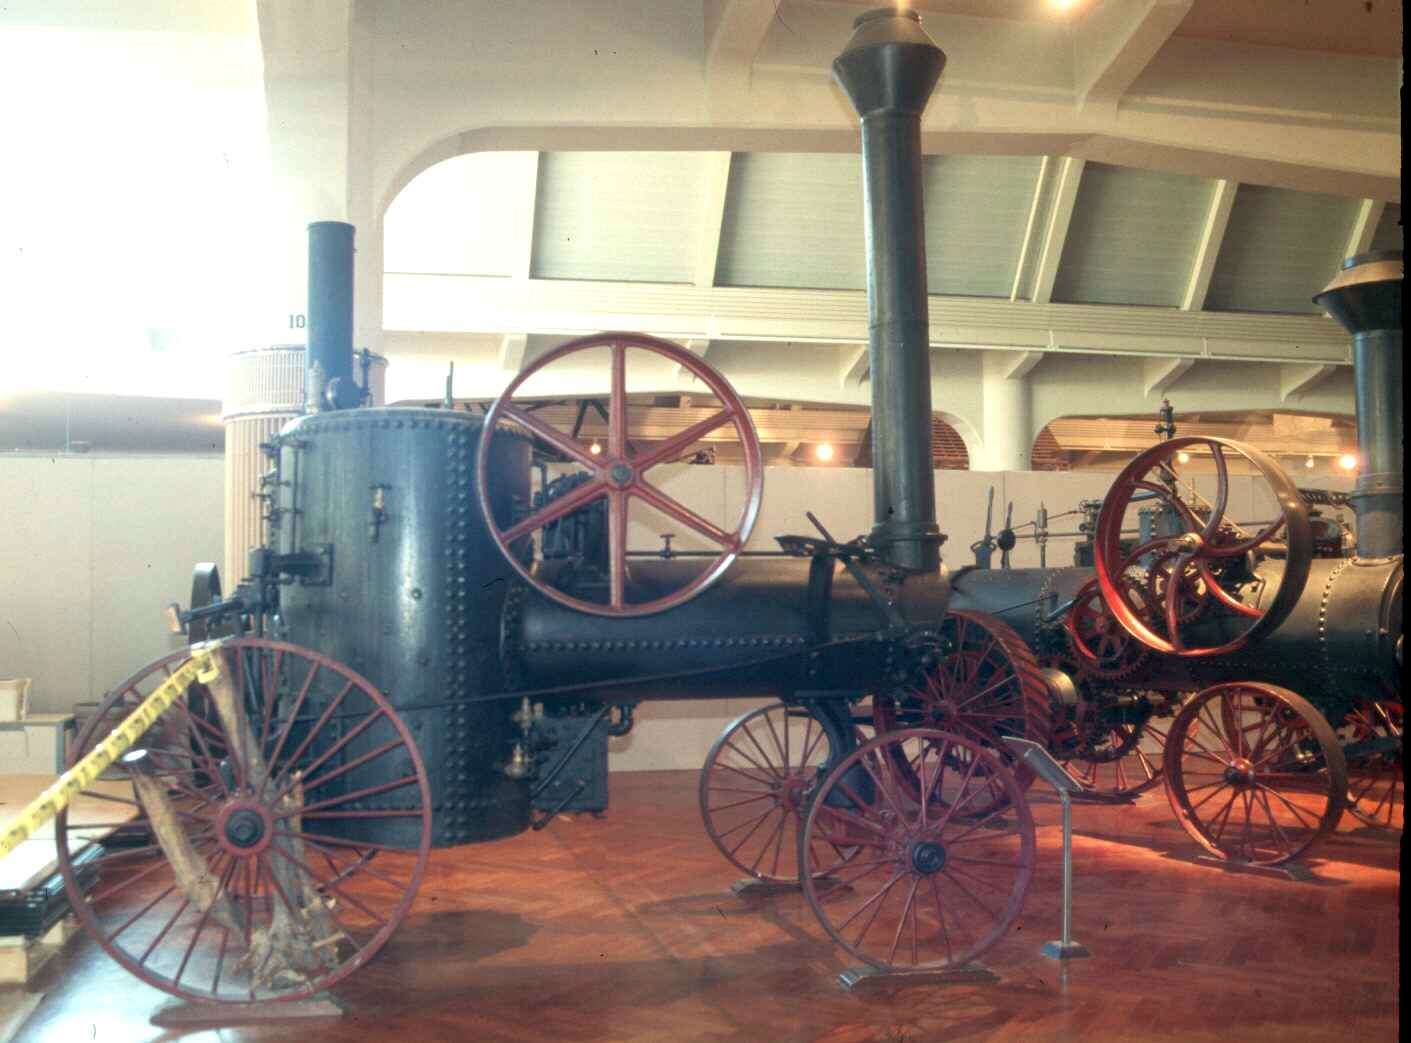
x: 858, y: 979
x: 177, y: 1013
x: 749, y: 887
x: 1295, y: 871
x: 1059, y: 951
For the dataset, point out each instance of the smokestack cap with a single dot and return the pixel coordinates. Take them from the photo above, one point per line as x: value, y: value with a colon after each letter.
x: 1366, y: 294
x: 890, y: 64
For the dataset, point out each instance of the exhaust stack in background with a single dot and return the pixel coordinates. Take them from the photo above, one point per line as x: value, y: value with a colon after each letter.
x: 888, y: 69
x: 1365, y: 298
x: 329, y: 361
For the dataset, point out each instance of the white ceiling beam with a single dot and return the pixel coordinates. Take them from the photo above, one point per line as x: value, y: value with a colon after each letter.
x: 1019, y: 364
x: 716, y: 183
x: 1060, y: 217
x: 853, y: 370
x: 1116, y: 41
x: 1296, y: 381
x: 433, y: 304
x: 522, y: 247
x: 512, y: 348
x: 1160, y: 374
x: 736, y: 37
x: 1364, y: 226
x: 1031, y: 227
x: 1211, y: 236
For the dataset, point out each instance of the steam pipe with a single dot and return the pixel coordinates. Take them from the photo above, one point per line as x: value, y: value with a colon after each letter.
x: 888, y: 69
x: 1365, y: 298
x: 328, y: 363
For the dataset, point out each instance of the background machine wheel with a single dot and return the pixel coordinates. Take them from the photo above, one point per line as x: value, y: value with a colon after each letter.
x: 755, y: 787
x: 1261, y: 779
x: 905, y: 878
x: 1377, y: 788
x: 242, y: 874
x: 983, y: 683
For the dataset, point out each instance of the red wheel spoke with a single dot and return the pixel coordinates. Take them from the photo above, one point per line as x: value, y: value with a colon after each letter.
x: 558, y: 508
x: 901, y: 922
x: 318, y: 727
x: 357, y: 762
x: 139, y: 914
x: 677, y: 511
x: 320, y: 839
x: 617, y: 548
x: 322, y: 884
x: 369, y: 791
x: 764, y: 754
x: 322, y: 759
x: 741, y: 803
x: 556, y: 438
x: 617, y: 414
x: 221, y: 884
x: 273, y: 758
x: 678, y: 443
x: 769, y: 770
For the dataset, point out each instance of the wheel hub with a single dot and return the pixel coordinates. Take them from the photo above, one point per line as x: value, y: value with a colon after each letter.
x: 621, y: 474
x: 245, y: 828
x: 1240, y: 773
x: 927, y: 857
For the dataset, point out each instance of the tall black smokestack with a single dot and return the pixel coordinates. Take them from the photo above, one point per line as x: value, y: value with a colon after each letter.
x: 1365, y: 298
x: 328, y: 375
x: 888, y: 69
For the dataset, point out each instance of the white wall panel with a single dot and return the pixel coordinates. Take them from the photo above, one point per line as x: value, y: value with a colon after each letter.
x: 976, y: 211
x: 95, y: 547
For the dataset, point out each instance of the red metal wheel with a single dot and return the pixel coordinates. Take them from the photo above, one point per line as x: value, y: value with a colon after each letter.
x: 240, y: 876
x: 1261, y: 780
x: 1101, y: 647
x: 1377, y: 790
x: 755, y: 786
x: 902, y: 877
x: 619, y: 474
x: 987, y: 686
x: 1209, y: 542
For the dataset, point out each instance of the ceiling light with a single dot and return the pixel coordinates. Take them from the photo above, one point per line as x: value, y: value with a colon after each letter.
x: 1061, y: 5
x: 824, y: 451
x: 595, y: 448
x: 1183, y: 457
x: 1309, y: 461
x: 1348, y: 461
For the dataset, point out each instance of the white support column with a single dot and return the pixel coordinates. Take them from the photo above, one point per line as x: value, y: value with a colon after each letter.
x: 1060, y: 216
x: 1369, y: 214
x: 1158, y: 374
x: 1006, y: 432
x: 1297, y: 381
x: 712, y: 216
x: 1211, y: 236
x: 512, y: 349
x: 853, y: 370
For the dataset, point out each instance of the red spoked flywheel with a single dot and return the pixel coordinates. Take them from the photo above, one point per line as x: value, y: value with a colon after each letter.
x: 1207, y: 545
x: 619, y: 473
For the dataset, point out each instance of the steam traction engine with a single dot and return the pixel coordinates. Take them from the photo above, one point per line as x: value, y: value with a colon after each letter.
x: 1293, y: 648
x: 386, y: 660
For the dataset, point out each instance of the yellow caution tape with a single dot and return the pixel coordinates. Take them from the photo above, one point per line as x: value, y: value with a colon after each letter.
x: 203, y: 666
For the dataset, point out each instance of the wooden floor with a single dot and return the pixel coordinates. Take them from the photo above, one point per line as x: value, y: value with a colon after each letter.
x: 624, y: 928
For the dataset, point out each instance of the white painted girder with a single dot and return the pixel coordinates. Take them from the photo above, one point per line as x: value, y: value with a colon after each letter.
x: 1208, y: 250
x: 1116, y: 41
x: 484, y: 304
x: 1297, y: 381
x: 1158, y: 374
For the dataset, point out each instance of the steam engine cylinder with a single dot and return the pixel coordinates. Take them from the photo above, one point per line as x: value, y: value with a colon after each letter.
x: 408, y: 592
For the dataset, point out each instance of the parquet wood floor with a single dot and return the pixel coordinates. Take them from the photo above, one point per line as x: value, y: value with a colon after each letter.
x: 624, y: 928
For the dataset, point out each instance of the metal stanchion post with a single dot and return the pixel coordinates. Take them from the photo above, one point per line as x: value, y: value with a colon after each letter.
x: 1041, y: 762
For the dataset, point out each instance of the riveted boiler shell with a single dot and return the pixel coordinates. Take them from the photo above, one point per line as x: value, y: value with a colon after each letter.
x: 746, y: 634
x: 415, y: 596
